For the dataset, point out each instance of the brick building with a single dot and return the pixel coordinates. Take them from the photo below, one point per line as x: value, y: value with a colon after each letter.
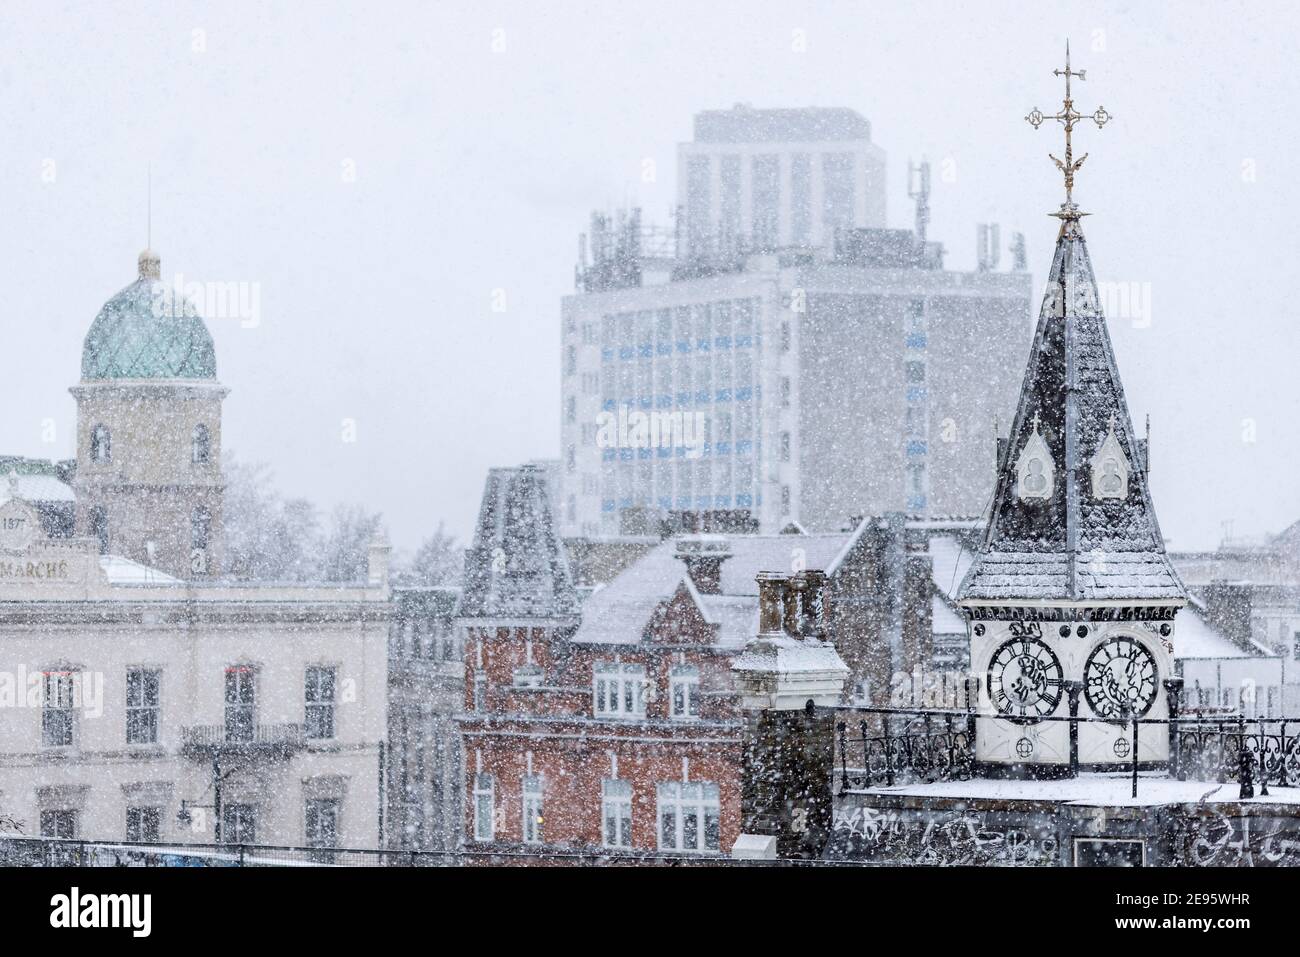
x: 616, y: 725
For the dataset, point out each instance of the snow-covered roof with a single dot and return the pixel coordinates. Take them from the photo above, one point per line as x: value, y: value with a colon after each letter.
x: 618, y: 613
x: 945, y: 621
x: 950, y: 560
x: 517, y: 566
x: 124, y: 571
x: 36, y: 488
x: 1195, y: 637
x: 1071, y: 545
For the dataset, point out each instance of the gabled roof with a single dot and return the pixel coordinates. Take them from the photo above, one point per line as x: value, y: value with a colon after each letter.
x: 1072, y: 546
x: 517, y: 567
x: 619, y: 612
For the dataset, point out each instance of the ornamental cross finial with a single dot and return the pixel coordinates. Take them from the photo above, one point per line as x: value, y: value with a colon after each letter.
x: 1067, y: 118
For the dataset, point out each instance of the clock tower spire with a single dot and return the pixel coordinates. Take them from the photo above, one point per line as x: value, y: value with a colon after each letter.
x: 1071, y: 586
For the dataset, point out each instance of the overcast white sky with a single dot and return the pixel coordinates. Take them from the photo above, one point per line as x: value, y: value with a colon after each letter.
x: 475, y: 170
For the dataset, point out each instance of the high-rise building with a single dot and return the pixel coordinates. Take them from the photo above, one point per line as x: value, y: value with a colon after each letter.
x: 783, y: 357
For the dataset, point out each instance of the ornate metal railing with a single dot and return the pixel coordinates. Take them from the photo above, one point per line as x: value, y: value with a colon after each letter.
x: 877, y: 747
x: 892, y: 746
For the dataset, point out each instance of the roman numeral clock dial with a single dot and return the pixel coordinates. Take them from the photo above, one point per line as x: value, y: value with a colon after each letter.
x: 1025, y: 679
x: 1120, y: 679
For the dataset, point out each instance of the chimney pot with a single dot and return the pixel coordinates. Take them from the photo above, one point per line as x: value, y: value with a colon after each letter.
x: 703, y: 556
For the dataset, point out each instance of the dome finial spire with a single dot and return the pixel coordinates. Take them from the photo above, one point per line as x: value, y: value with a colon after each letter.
x: 150, y: 264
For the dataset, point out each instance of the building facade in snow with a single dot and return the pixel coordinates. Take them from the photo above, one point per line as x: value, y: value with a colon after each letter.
x: 745, y: 368
x: 426, y: 689
x: 144, y: 697
x: 616, y: 727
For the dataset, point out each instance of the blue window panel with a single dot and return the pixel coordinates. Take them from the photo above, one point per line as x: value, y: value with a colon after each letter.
x: 916, y: 393
x: 683, y: 345
x: 665, y: 502
x: 665, y: 453
x: 663, y: 401
x: 606, y: 354
x: 703, y: 397
x: 722, y: 501
x: 744, y: 446
x: 626, y: 352
x: 607, y: 455
x: 607, y: 505
x: 607, y: 405
x: 744, y: 342
x: 702, y: 345
x: 758, y: 500
x: 745, y: 394
x: 916, y: 501
x: 744, y: 501
x: 724, y: 448
x: 915, y: 340
x: 915, y: 447
x: 644, y: 401
x: 703, y: 501
x: 684, y: 502
x: 724, y: 395
x: 625, y: 503
x: 663, y: 349
x: 645, y: 453
x: 625, y: 455
x: 680, y: 451
x: 683, y: 398
x: 645, y: 350
x: 722, y: 342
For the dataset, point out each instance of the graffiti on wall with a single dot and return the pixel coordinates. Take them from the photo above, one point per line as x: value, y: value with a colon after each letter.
x: 1216, y: 840
x: 941, y: 837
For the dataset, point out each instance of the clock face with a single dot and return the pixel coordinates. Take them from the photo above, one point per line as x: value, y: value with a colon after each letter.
x: 1025, y: 679
x: 1120, y: 679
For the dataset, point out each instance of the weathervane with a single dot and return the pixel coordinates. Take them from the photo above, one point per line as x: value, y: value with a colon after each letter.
x: 1067, y: 118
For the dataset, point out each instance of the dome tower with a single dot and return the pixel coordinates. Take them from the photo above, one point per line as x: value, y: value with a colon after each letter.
x: 148, y: 483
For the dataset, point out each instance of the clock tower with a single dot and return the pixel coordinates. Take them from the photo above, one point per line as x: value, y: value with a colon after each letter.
x: 1071, y: 600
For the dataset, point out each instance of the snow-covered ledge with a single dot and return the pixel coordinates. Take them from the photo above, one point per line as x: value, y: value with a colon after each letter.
x: 784, y: 673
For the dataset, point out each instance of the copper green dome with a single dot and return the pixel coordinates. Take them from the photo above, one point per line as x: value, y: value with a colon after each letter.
x: 147, y: 332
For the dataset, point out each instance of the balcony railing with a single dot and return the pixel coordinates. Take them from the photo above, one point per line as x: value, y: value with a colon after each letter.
x: 279, y: 739
x: 877, y: 747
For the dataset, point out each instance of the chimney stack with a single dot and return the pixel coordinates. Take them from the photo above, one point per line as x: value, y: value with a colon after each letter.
x: 703, y: 556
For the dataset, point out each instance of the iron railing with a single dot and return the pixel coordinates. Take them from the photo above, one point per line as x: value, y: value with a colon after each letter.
x: 877, y: 747
x: 206, y: 738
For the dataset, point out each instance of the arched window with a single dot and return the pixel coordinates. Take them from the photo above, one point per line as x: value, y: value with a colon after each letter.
x: 101, y: 444
x: 99, y: 527
x: 200, y: 445
x: 200, y: 525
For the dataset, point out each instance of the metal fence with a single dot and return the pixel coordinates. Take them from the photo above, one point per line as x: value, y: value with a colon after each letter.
x: 888, y: 746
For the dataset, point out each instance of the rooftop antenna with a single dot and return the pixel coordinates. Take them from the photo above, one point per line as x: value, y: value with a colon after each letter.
x: 921, y: 194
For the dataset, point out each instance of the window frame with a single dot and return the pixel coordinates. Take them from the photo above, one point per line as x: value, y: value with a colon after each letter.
x: 239, y: 708
x: 689, y: 801
x: 616, y: 809
x: 320, y: 709
x: 627, y: 681
x: 484, y: 799
x: 687, y: 679
x: 143, y: 711
x: 63, y: 709
x: 532, y: 809
x: 147, y: 819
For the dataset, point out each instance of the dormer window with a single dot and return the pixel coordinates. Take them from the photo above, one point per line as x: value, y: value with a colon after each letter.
x: 1110, y: 467
x: 101, y: 444
x: 200, y: 445
x: 1035, y: 473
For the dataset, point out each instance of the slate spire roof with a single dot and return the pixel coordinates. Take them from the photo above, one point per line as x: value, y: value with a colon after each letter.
x: 1072, y: 545
x: 516, y: 568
